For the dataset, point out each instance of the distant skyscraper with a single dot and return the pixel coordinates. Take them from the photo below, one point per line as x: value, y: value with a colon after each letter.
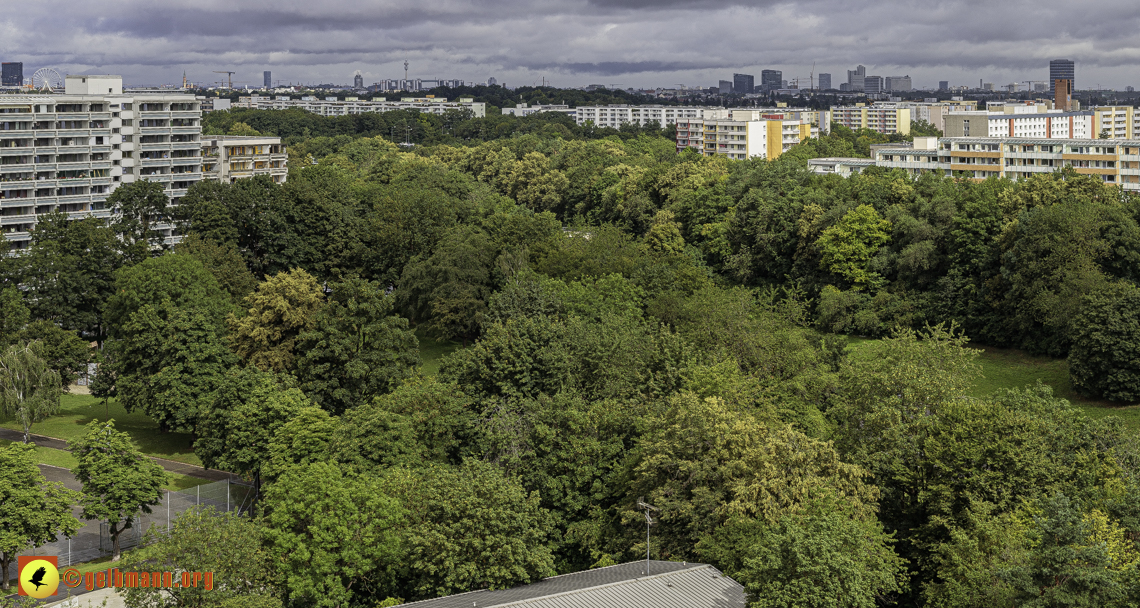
x: 743, y: 83
x: 267, y: 78
x: 358, y: 81
x: 824, y: 82
x: 898, y: 83
x: 12, y: 74
x: 1064, y: 69
x: 873, y: 84
x: 855, y: 78
x: 943, y: 85
x: 770, y: 80
x: 725, y: 87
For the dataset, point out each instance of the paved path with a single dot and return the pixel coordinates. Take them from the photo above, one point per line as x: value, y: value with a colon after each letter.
x: 170, y: 465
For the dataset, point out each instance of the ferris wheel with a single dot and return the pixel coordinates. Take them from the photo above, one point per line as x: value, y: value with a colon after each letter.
x: 47, y: 78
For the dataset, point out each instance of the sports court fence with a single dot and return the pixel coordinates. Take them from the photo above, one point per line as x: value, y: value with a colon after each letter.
x: 94, y: 540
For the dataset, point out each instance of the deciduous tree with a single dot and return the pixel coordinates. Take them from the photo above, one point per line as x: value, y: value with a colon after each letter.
x: 118, y: 480
x: 282, y: 308
x: 32, y: 510
x: 333, y: 534
x: 357, y: 348
x: 29, y: 387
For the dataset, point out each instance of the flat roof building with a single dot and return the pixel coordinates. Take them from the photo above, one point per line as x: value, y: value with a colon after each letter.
x: 824, y: 82
x: 1061, y: 69
x: 743, y: 84
x: 770, y: 80
x: 230, y: 158
x: 881, y: 118
x: 67, y: 152
x: 614, y: 115
x: 352, y: 106
x: 524, y: 109
x: 1047, y: 125
x: 743, y: 135
x: 1113, y: 162
x: 11, y: 74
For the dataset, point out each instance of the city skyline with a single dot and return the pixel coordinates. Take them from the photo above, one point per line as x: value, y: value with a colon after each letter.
x: 631, y: 43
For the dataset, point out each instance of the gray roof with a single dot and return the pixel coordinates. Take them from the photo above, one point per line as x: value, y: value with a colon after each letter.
x: 669, y: 585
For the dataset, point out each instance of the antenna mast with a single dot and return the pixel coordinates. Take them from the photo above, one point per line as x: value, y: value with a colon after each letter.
x: 644, y: 506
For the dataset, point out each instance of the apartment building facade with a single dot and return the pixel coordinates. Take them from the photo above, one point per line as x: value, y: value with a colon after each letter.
x: 1049, y: 125
x: 1117, y: 122
x: 742, y: 139
x: 880, y: 118
x: 67, y: 152
x: 1112, y: 161
x: 230, y: 158
x: 330, y: 106
x: 615, y: 115
x: 524, y: 109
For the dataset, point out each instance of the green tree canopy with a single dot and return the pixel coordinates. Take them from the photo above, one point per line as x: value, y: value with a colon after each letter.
x: 237, y: 427
x: 118, y: 480
x: 357, y: 347
x: 138, y: 207
x: 332, y: 534
x: 1105, y: 358
x: 29, y: 387
x: 469, y: 527
x: 32, y: 510
x: 282, y: 308
x: 202, y: 540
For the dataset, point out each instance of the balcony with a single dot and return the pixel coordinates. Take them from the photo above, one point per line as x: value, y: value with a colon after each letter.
x: 8, y: 220
x: 74, y: 166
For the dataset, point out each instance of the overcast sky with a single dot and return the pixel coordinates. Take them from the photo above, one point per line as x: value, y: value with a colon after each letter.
x: 639, y: 43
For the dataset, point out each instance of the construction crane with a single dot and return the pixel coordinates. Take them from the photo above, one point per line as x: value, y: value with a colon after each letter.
x: 229, y: 75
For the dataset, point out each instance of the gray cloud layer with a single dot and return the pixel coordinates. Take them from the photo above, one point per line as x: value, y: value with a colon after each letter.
x: 574, y: 42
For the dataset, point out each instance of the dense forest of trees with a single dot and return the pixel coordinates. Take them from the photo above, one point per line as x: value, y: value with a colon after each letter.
x: 637, y: 324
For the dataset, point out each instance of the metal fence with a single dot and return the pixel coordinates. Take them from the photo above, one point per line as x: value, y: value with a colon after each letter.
x: 94, y: 540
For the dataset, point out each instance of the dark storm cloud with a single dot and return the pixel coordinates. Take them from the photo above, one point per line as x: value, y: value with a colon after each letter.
x: 639, y: 42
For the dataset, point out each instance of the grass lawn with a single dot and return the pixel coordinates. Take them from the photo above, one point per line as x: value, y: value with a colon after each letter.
x: 64, y: 460
x: 432, y: 351
x: 77, y: 410
x: 1009, y: 368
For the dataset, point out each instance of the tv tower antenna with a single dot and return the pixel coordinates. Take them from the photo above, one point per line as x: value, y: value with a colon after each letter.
x: 405, y: 69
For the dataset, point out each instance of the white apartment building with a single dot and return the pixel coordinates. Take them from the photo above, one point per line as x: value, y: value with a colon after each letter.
x: 1112, y: 161
x: 523, y: 109
x: 230, y: 158
x: 841, y: 166
x: 69, y: 151
x: 615, y: 115
x: 1051, y: 124
x: 351, y: 105
x: 742, y: 139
